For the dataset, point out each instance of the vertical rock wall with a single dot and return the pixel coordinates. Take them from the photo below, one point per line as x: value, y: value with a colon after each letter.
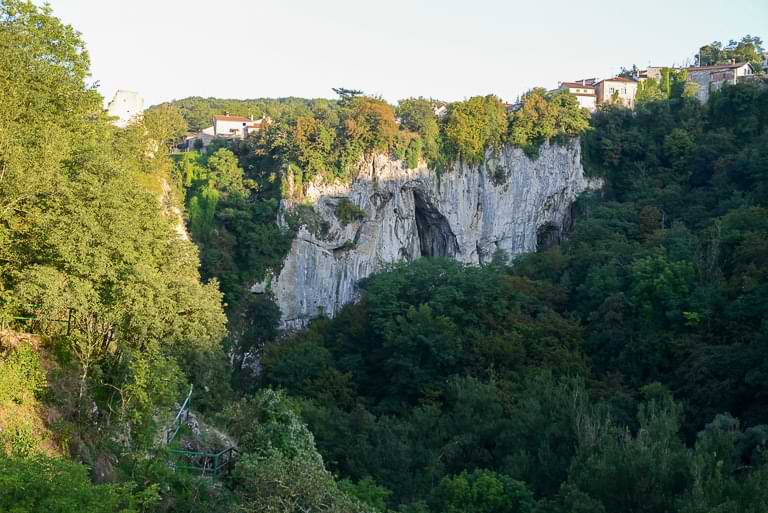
x: 467, y: 213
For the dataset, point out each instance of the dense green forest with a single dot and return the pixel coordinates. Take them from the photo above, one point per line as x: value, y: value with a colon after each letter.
x: 622, y: 371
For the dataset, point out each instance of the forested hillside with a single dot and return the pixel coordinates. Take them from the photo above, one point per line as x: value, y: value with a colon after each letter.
x: 621, y: 371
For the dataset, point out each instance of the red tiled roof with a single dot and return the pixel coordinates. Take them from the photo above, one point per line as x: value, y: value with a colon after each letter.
x: 230, y: 118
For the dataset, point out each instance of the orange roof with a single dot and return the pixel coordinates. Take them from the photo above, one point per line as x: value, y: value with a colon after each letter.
x: 230, y: 118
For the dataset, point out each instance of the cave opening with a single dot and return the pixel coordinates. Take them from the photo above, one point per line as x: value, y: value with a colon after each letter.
x: 548, y: 236
x: 436, y: 239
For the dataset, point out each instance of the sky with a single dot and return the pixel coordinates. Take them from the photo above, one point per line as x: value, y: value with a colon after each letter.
x: 444, y: 49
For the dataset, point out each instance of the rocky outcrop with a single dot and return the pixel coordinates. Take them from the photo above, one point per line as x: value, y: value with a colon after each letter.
x: 510, y: 203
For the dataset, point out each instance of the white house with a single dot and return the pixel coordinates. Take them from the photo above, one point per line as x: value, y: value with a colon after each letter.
x: 236, y: 127
x: 712, y: 78
x: 225, y: 127
x: 583, y: 90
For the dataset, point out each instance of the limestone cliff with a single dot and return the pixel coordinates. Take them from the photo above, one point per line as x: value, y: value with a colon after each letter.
x: 508, y: 203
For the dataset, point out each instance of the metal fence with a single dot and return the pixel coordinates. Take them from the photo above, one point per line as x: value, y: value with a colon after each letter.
x: 181, y: 418
x: 32, y: 323
x: 208, y: 464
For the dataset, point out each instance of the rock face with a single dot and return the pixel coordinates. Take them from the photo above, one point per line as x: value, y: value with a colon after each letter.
x: 509, y: 203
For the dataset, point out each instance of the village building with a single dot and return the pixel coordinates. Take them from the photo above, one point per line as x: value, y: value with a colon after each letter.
x: 440, y: 110
x: 224, y: 127
x: 583, y: 90
x: 235, y: 127
x: 711, y: 78
x: 617, y: 90
x: 651, y: 73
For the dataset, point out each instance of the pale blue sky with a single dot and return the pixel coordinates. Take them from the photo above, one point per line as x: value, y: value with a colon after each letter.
x: 446, y: 49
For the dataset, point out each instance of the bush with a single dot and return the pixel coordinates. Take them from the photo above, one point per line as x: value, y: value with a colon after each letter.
x: 347, y: 212
x: 57, y: 486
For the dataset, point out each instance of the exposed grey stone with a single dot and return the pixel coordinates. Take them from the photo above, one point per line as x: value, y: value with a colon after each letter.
x: 467, y: 213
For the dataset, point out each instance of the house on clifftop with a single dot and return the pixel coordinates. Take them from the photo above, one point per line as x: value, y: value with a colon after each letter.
x: 619, y: 90
x: 712, y: 78
x: 583, y: 90
x: 225, y: 127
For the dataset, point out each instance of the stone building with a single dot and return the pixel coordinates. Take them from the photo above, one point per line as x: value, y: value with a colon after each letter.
x: 712, y: 78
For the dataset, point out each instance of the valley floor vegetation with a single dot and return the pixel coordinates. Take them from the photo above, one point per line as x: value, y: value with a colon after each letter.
x: 622, y: 371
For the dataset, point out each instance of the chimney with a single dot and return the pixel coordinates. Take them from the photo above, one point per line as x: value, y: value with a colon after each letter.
x: 251, y: 117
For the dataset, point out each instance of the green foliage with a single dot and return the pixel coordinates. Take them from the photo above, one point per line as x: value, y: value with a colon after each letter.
x: 224, y: 173
x: 371, y: 124
x: 543, y: 117
x: 367, y: 492
x: 347, y: 212
x: 281, y: 484
x: 281, y: 471
x: 57, y: 486
x: 268, y: 423
x: 482, y: 491
x: 164, y: 124
x: 418, y: 115
x: 21, y: 375
x: 413, y: 153
x: 475, y: 125
x: 649, y: 91
x: 306, y: 215
x: 748, y: 49
x: 82, y: 231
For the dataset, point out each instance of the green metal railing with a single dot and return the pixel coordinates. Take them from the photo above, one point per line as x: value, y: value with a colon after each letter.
x: 181, y: 418
x: 209, y: 464
x: 34, y: 322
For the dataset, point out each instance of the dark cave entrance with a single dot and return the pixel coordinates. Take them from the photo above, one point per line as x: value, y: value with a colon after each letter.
x: 547, y: 236
x: 436, y: 239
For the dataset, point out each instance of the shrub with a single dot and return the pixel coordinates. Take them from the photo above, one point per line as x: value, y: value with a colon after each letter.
x: 347, y: 212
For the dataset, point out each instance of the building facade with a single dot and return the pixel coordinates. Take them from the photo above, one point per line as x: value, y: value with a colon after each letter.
x: 237, y: 127
x: 711, y: 78
x: 619, y: 90
x: 583, y: 90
